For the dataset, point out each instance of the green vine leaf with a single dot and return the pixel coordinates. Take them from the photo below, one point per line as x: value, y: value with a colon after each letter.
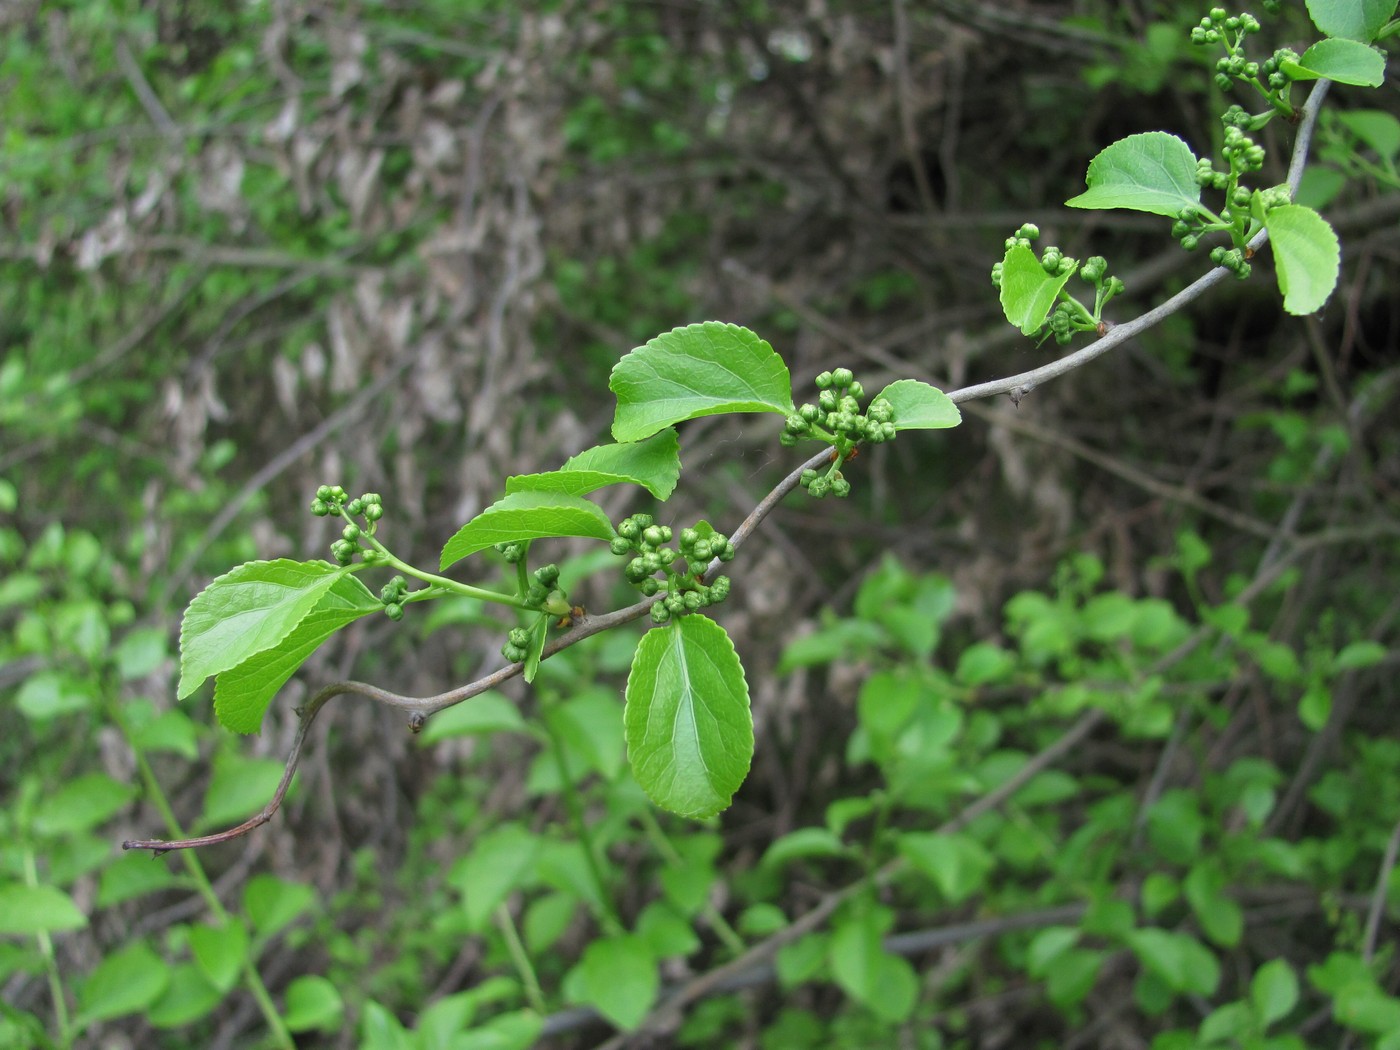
x: 654, y: 464
x: 242, y: 693
x: 1343, y: 61
x: 1027, y: 292
x: 919, y: 406
x: 1307, y: 257
x: 245, y: 611
x: 687, y: 722
x: 701, y: 370
x: 1354, y: 19
x: 1152, y: 172
x: 527, y: 516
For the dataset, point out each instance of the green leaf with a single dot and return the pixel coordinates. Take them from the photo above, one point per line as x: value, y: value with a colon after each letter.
x: 126, y: 982
x: 1175, y: 826
x: 488, y: 712
x: 312, y: 1003
x: 1315, y: 706
x: 29, y: 910
x: 132, y: 876
x: 539, y: 631
x: 1375, y: 128
x: 700, y: 370
x: 220, y: 952
x: 243, y: 693
x: 1152, y: 172
x: 272, y: 903
x: 81, y: 804
x: 1307, y: 257
x: 919, y: 406
x: 1231, y: 1020
x: 1221, y: 918
x: 1179, y: 960
x: 187, y: 997
x: 884, y: 983
x: 1027, y: 291
x: 528, y: 516
x: 1274, y: 991
x: 1343, y: 61
x: 239, y: 788
x: 985, y: 663
x: 50, y: 694
x: 1358, y: 655
x: 1047, y: 946
x: 687, y: 722
x: 1353, y: 19
x: 957, y: 864
x: 654, y: 463
x: 617, y: 977
x: 245, y: 611
x: 498, y: 862
x: 803, y: 842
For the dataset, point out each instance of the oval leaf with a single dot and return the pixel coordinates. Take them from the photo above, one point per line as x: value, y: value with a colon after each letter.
x: 245, y: 611
x: 1344, y: 61
x: 919, y: 406
x: 527, y: 516
x: 617, y: 977
x: 1353, y: 19
x: 654, y: 464
x: 1027, y: 291
x: 1152, y: 172
x: 241, y: 694
x: 1307, y: 257
x: 687, y: 722
x: 29, y: 910
x: 700, y: 370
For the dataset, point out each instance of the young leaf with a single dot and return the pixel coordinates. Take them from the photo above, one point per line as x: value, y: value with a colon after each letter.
x: 1344, y: 61
x: 957, y: 864
x: 499, y: 862
x: 1376, y: 128
x: 27, y: 910
x: 1274, y: 991
x: 245, y: 611
x: 220, y: 952
x: 242, y: 693
x: 527, y: 516
x: 687, y: 722
x: 1307, y: 257
x: 125, y: 982
x: 313, y: 1002
x: 918, y: 406
x: 1027, y: 292
x: 1152, y: 172
x: 617, y: 976
x: 539, y: 631
x: 867, y: 973
x: 700, y: 370
x: 654, y: 464
x: 1353, y: 19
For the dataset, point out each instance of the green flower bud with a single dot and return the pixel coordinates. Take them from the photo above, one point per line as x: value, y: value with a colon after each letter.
x: 819, y: 487
x: 840, y: 488
x: 519, y: 636
x: 719, y: 590
x: 823, y: 380
x: 513, y: 653
x: 1029, y: 231
x: 827, y: 399
x: 324, y: 492
x: 856, y: 390
x: 394, y: 611
x: 619, y: 546
x: 637, y: 570
x: 373, y: 512
x: 666, y: 555
x: 547, y: 574
x: 688, y: 538
x: 319, y: 508
x: 660, y: 614
x: 787, y: 440
x: 629, y: 529
x: 841, y: 377
x: 649, y: 586
x: 691, y: 600
x: 808, y: 413
x: 369, y: 556
x: 653, y: 536
x: 351, y: 532
x: 355, y: 506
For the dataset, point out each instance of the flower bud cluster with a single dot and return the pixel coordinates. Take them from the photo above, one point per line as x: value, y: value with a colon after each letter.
x: 516, y: 646
x: 332, y: 500
x: 392, y: 595
x: 683, y: 566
